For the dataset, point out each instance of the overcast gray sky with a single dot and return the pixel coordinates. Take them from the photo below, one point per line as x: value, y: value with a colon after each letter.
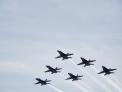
x: 31, y: 31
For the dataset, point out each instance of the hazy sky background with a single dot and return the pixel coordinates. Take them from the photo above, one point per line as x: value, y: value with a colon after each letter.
x: 31, y: 31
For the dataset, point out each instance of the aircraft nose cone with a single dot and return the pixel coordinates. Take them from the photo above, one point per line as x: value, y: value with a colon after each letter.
x: 47, y: 65
x: 103, y: 66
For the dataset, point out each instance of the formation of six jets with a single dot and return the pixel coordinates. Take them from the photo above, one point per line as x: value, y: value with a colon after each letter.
x: 73, y: 77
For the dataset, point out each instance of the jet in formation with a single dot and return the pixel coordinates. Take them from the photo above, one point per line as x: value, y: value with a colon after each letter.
x: 53, y: 70
x: 64, y: 55
x: 74, y: 77
x: 86, y: 62
x: 107, y: 71
x: 42, y: 82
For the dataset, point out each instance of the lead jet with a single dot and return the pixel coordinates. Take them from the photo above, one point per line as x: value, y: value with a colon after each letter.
x: 53, y: 70
x: 63, y: 55
x: 74, y: 77
x: 107, y: 71
x: 42, y: 82
x: 86, y: 62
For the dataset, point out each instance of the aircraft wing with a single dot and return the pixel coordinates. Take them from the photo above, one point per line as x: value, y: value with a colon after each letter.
x: 58, y: 57
x: 68, y: 78
x: 92, y: 60
x: 100, y: 72
x: 58, y: 68
x: 48, y: 80
x: 80, y: 63
x: 79, y: 76
x: 112, y: 69
x: 47, y: 71
x: 70, y: 54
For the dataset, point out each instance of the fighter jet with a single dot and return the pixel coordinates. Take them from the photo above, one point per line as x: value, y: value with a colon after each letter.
x: 86, y: 62
x: 53, y: 70
x: 107, y: 71
x: 42, y: 82
x: 63, y: 55
x: 73, y: 77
